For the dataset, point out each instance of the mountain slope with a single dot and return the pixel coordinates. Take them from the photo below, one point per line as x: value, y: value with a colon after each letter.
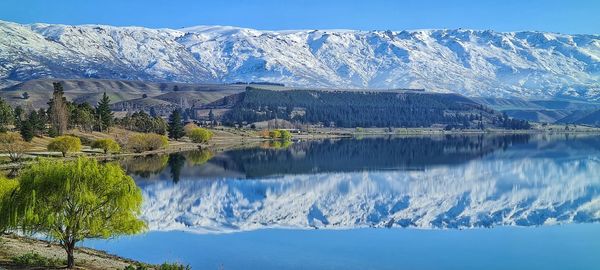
x: 548, y: 111
x: 474, y: 63
x: 91, y: 90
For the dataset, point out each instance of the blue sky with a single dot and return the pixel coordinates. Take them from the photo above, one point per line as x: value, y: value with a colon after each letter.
x: 509, y: 15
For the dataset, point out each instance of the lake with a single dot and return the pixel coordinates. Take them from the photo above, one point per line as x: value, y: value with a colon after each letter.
x: 436, y: 202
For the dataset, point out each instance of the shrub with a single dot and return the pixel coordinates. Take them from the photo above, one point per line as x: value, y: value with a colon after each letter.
x: 34, y: 259
x: 85, y: 140
x: 147, y: 142
x: 264, y: 133
x: 189, y: 127
x: 107, y: 145
x: 280, y: 134
x: 285, y: 135
x: 275, y: 134
x: 136, y: 267
x: 65, y: 144
x: 200, y: 135
x: 173, y: 266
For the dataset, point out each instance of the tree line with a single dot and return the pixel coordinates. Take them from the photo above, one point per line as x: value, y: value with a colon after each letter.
x: 365, y: 109
x: 62, y: 115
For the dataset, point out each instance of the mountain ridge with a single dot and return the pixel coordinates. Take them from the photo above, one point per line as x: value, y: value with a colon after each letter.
x: 480, y: 63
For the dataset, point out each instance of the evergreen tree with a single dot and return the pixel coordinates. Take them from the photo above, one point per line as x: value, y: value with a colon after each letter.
x: 176, y: 125
x: 83, y: 117
x: 104, y: 114
x: 18, y: 114
x: 39, y: 122
x: 33, y: 125
x: 26, y: 130
x: 153, y: 112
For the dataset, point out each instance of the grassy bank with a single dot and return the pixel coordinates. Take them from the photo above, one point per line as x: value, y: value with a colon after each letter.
x: 229, y: 138
x: 16, y: 251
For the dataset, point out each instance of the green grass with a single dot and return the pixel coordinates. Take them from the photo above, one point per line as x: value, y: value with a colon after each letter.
x: 164, y: 266
x: 34, y: 259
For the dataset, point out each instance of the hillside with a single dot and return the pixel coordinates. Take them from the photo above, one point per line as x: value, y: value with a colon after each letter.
x: 588, y: 117
x: 366, y: 108
x: 548, y: 111
x: 524, y: 64
x: 121, y: 92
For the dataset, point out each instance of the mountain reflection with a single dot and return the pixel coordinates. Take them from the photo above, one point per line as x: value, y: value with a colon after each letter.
x: 426, y: 182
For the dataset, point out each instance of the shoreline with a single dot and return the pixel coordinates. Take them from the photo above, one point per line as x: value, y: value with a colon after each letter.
x: 243, y: 138
x: 86, y: 258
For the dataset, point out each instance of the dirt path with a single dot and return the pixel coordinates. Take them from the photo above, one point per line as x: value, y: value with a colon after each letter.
x: 12, y: 245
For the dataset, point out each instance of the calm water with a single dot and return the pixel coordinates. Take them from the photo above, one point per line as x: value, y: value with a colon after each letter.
x: 445, y: 202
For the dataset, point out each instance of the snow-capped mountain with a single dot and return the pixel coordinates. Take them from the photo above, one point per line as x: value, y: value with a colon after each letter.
x: 474, y: 63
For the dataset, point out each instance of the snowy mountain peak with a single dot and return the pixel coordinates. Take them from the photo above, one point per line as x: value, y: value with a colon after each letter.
x: 471, y: 62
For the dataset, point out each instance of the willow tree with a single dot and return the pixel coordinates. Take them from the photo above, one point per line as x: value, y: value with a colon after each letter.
x: 65, y: 144
x: 75, y: 200
x: 7, y: 188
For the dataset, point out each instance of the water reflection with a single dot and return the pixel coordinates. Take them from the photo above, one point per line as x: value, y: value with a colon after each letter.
x: 429, y: 182
x: 345, y: 155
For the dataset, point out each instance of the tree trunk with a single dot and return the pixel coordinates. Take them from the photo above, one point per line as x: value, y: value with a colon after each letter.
x: 70, y: 248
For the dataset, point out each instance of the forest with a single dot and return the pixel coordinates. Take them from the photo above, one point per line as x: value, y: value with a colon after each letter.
x: 366, y: 109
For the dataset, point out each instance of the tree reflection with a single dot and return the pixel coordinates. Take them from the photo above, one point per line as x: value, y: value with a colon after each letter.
x: 176, y: 162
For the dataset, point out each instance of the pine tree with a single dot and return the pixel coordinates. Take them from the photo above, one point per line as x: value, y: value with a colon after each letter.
x: 27, y: 127
x: 175, y: 125
x: 18, y: 114
x: 104, y: 114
